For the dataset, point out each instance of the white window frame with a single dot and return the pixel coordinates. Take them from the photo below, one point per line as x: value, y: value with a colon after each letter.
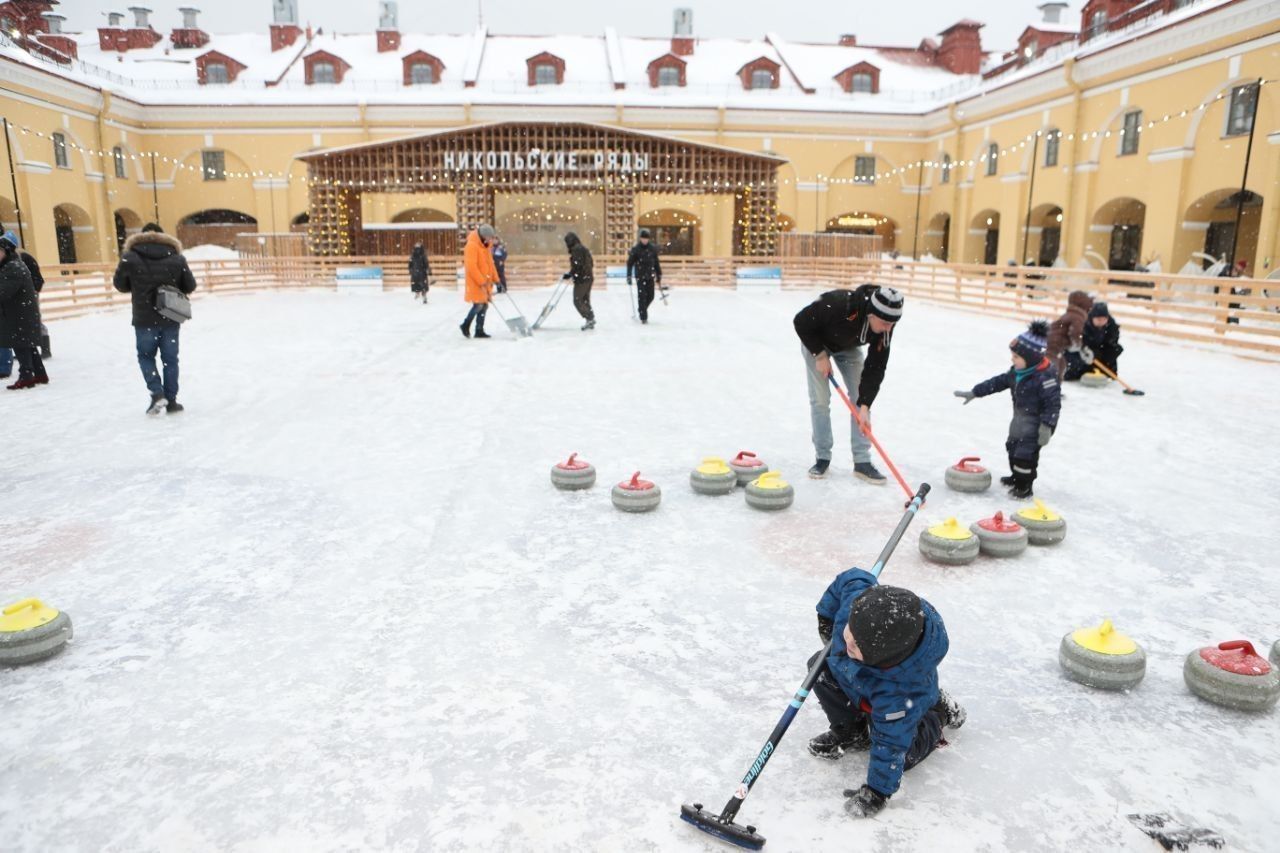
x: 331, y: 71
x: 946, y: 169
x: 668, y: 75
x: 864, y: 169
x: 758, y: 74
x: 430, y: 73
x: 220, y: 77
x: 1245, y: 125
x: 117, y: 158
x: 1052, y: 145
x: 546, y: 74
x: 1131, y: 137
x: 218, y: 172
x: 993, y: 159
x: 870, y: 83
x: 61, y: 158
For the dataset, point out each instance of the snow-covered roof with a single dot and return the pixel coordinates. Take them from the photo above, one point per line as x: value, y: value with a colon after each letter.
x: 817, y: 65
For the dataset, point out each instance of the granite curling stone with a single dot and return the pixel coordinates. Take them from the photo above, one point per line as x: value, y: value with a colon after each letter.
x: 1095, y: 379
x: 636, y: 495
x: 999, y: 536
x: 949, y: 543
x: 1233, y: 675
x: 747, y: 466
x: 1044, y: 526
x: 32, y: 631
x: 964, y: 476
x: 573, y: 474
x: 769, y: 491
x: 1102, y: 657
x: 713, y: 477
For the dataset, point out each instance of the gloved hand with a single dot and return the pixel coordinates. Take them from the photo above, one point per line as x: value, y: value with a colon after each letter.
x: 825, y: 628
x: 1044, y: 435
x: 628, y: 281
x: 566, y: 276
x: 967, y: 396
x: 864, y: 802
x: 1086, y: 355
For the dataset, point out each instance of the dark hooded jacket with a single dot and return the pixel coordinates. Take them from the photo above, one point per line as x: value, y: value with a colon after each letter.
x: 19, y: 308
x: 151, y: 260
x: 643, y: 262
x: 895, y: 698
x: 581, y: 264
x: 839, y: 320
x: 1104, y: 342
x: 419, y: 269
x: 1065, y: 331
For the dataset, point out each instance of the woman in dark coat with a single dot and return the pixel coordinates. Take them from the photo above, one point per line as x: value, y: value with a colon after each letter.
x: 20, y: 316
x: 419, y: 272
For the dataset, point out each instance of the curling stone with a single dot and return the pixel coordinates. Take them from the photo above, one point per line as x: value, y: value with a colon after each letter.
x: 1275, y: 653
x: 1232, y: 675
x: 573, y: 474
x: 32, y: 631
x: 770, y: 491
x: 1095, y: 379
x: 1102, y: 657
x: 949, y: 543
x: 747, y: 466
x: 964, y: 476
x: 713, y: 477
x: 636, y: 495
x: 999, y: 536
x: 1044, y: 526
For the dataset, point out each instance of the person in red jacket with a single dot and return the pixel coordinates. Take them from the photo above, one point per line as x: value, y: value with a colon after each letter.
x: 481, y: 276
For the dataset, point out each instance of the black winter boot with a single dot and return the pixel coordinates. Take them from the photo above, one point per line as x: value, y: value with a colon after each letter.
x: 480, y: 332
x: 465, y: 326
x: 834, y: 743
x: 819, y: 469
x: 953, y: 715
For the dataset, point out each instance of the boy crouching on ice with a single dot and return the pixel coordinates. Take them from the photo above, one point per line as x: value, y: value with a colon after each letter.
x: 1037, y: 400
x: 879, y: 689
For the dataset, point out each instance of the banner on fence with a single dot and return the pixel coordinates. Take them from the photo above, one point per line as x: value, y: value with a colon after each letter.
x: 358, y: 279
x: 760, y: 279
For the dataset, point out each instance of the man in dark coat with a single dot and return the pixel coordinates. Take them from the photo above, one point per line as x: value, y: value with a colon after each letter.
x: 581, y: 270
x: 1037, y: 402
x: 835, y: 328
x: 6, y: 354
x: 419, y: 272
x: 879, y: 688
x: 647, y: 269
x: 151, y: 260
x: 20, y: 315
x: 1100, y: 344
x: 500, y: 263
x: 1065, y: 332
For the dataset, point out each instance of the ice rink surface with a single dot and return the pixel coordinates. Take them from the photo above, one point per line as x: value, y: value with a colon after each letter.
x: 337, y: 605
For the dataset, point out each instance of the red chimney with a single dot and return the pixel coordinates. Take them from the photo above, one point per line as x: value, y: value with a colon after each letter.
x: 682, y: 32
x: 388, y: 26
x: 848, y: 40
x: 283, y: 35
x: 189, y: 34
x: 961, y: 49
x: 388, y: 40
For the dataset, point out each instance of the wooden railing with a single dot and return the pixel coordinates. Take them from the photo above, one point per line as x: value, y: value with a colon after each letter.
x: 1188, y: 308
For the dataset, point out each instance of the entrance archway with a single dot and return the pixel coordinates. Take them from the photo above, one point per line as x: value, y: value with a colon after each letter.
x: 1123, y: 218
x: 1044, y: 239
x: 434, y: 229
x: 1209, y: 225
x: 674, y: 232
x: 983, y: 245
x: 937, y: 237
x: 535, y: 223
x: 217, y: 227
x: 865, y: 223
x: 127, y: 223
x: 74, y: 231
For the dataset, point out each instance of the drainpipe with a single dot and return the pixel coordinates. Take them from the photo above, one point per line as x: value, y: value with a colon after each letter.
x: 952, y: 242
x: 1077, y: 95
x: 107, y: 233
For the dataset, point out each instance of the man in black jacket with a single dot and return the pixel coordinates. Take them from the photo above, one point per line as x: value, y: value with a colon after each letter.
x: 20, y: 315
x: 37, y: 280
x: 643, y: 262
x: 835, y: 328
x: 151, y: 260
x: 581, y: 270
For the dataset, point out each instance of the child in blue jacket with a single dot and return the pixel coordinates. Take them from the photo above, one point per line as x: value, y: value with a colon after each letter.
x: 1037, y: 400
x: 880, y: 685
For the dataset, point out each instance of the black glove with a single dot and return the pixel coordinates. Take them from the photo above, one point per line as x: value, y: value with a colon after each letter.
x: 864, y: 802
x: 628, y: 281
x: 967, y: 396
x: 566, y: 276
x: 825, y: 628
x: 1045, y: 433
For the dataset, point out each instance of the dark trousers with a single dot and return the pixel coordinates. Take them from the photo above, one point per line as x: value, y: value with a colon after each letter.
x: 1076, y: 366
x: 165, y: 340
x: 842, y: 715
x: 30, y: 365
x: 582, y: 298
x: 477, y: 312
x: 1023, y: 446
x: 644, y: 292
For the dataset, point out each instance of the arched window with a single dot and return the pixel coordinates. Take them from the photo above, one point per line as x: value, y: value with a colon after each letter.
x: 60, y: 151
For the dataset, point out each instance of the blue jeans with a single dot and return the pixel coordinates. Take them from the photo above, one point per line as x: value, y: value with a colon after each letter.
x: 164, y: 339
x: 849, y: 363
x: 6, y: 361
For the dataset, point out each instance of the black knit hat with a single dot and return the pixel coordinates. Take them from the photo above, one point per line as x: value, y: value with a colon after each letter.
x: 886, y: 303
x: 887, y: 623
x: 644, y: 233
x: 1099, y: 309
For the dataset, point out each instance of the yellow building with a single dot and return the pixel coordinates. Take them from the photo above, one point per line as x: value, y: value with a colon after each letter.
x: 1118, y: 144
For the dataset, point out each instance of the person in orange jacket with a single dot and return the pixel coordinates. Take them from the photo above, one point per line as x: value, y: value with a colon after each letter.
x: 481, y: 276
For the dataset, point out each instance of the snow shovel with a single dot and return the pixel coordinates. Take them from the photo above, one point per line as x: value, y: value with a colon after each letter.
x: 1128, y: 389
x: 866, y: 430
x: 518, y: 325
x: 722, y: 825
x: 662, y: 292
x: 556, y: 293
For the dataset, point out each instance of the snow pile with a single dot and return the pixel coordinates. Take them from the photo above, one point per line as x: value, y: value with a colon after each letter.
x: 210, y: 252
x: 337, y: 605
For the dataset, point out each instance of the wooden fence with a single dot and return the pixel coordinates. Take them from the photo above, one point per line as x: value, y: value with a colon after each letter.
x: 1240, y: 314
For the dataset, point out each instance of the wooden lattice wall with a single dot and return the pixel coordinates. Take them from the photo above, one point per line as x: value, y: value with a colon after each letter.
x: 444, y: 162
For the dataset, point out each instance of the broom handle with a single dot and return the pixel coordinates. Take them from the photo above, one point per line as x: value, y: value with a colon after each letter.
x: 866, y: 430
x: 771, y: 745
x: 1100, y: 366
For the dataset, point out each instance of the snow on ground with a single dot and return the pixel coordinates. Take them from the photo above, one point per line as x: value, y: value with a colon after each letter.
x: 336, y: 605
x: 210, y: 252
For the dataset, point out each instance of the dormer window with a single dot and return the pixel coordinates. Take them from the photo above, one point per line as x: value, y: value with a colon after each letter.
x: 422, y: 69
x: 861, y: 82
x: 324, y: 69
x: 862, y: 79
x: 323, y: 73
x: 545, y: 69
x: 667, y: 70
x: 668, y: 75
x: 216, y: 74
x: 421, y: 74
x: 762, y: 78
x: 544, y: 74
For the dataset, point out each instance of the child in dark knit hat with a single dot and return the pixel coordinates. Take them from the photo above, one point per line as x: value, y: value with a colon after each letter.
x: 1037, y: 399
x: 879, y: 688
x: 1100, y: 344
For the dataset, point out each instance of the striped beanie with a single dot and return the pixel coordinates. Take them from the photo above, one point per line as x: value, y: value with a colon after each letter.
x: 886, y: 303
x: 1031, y: 343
